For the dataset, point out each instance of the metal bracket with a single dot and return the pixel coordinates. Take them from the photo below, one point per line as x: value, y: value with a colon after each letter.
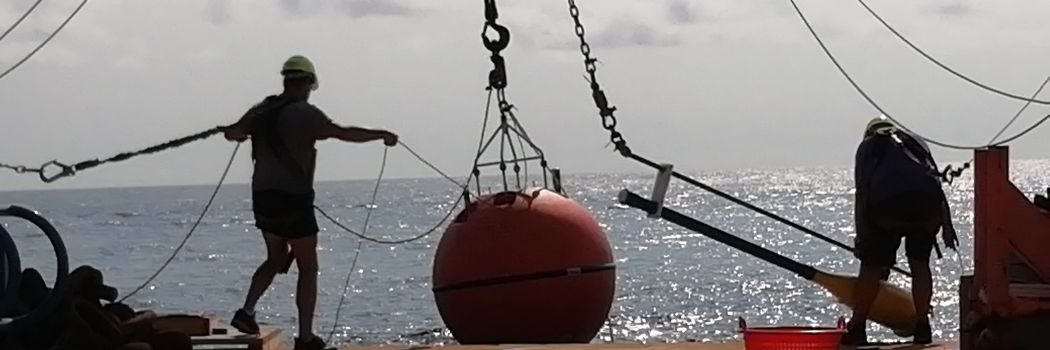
x: 663, y: 179
x: 556, y: 178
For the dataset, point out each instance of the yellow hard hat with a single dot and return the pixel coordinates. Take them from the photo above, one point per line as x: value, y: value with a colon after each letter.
x: 298, y: 67
x: 878, y: 123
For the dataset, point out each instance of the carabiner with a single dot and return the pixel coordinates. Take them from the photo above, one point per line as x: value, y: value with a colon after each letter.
x: 66, y: 171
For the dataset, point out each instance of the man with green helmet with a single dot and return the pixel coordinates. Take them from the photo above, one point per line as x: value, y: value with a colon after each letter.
x: 283, y: 130
x: 898, y: 196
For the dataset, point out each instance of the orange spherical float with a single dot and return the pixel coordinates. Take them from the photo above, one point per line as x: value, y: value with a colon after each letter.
x: 524, y: 267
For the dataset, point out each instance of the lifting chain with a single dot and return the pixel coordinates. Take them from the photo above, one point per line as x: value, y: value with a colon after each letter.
x: 497, y: 84
x: 590, y: 63
x: 950, y: 173
x: 498, y: 75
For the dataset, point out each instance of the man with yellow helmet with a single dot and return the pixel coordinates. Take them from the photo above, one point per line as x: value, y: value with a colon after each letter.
x: 898, y: 196
x: 283, y: 129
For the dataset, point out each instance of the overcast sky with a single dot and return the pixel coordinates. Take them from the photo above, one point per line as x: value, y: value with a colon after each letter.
x: 702, y: 84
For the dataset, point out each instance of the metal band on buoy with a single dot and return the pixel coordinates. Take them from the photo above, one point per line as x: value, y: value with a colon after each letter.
x: 524, y: 277
x: 51, y: 302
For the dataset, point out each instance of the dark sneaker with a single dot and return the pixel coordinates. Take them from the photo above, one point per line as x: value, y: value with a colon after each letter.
x: 244, y: 322
x: 314, y: 343
x: 855, y: 335
x: 923, y: 333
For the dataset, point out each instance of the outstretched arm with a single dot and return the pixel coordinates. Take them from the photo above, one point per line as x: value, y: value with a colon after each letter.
x: 240, y: 130
x: 235, y: 132
x: 357, y: 134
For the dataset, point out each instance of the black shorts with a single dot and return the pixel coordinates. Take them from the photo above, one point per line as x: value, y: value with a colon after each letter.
x: 284, y: 214
x: 913, y: 218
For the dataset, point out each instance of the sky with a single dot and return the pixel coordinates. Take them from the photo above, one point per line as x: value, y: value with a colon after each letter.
x: 706, y: 85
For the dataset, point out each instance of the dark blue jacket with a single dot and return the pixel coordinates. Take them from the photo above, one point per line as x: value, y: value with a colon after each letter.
x: 889, y: 167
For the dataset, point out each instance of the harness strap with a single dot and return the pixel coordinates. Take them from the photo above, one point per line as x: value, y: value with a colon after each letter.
x: 267, y: 122
x: 913, y: 151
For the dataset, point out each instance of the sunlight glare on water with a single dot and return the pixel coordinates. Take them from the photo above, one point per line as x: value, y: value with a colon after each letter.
x: 672, y: 284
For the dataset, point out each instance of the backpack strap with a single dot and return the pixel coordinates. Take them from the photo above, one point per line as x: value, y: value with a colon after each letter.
x: 913, y: 150
x: 266, y: 123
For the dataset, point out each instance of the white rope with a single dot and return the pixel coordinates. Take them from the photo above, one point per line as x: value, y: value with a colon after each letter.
x: 874, y: 104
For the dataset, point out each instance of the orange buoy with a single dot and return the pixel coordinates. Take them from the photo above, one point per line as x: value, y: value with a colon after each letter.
x: 524, y: 267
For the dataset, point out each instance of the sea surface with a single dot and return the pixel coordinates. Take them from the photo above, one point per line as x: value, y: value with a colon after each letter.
x: 672, y: 284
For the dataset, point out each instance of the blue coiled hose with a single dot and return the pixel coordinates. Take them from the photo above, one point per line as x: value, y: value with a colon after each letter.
x: 10, y: 288
x: 10, y: 271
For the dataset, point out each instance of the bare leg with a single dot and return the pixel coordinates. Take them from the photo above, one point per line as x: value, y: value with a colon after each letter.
x: 276, y: 254
x: 921, y: 288
x: 305, y: 250
x: 864, y: 293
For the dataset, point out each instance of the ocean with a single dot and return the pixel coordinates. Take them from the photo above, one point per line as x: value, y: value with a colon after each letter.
x: 672, y: 284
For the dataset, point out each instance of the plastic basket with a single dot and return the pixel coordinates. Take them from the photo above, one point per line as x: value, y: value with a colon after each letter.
x: 793, y: 338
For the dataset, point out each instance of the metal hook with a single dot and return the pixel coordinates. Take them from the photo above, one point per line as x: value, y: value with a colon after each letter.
x: 500, y: 43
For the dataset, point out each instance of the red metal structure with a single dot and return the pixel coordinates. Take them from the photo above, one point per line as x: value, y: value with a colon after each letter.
x: 1008, y: 298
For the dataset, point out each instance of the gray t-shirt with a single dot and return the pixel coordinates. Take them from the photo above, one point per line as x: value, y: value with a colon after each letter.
x: 298, y: 125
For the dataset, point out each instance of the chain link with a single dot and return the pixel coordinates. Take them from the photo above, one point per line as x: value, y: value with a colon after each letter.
x: 63, y: 170
x: 497, y: 84
x: 21, y: 169
x: 950, y: 173
x: 600, y: 100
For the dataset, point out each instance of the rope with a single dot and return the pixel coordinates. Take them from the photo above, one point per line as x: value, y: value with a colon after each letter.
x: 945, y: 67
x: 390, y: 242
x: 497, y: 80
x: 52, y: 36
x: 353, y: 265
x: 879, y: 108
x: 481, y: 146
x: 949, y: 174
x: 20, y: 19
x: 192, y: 228
x: 521, y: 144
x: 428, y: 164
x: 362, y: 235
x: 70, y: 170
x: 1027, y: 103
x: 346, y: 285
x: 161, y: 147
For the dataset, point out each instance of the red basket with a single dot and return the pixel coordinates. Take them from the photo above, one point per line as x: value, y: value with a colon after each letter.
x: 793, y: 338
